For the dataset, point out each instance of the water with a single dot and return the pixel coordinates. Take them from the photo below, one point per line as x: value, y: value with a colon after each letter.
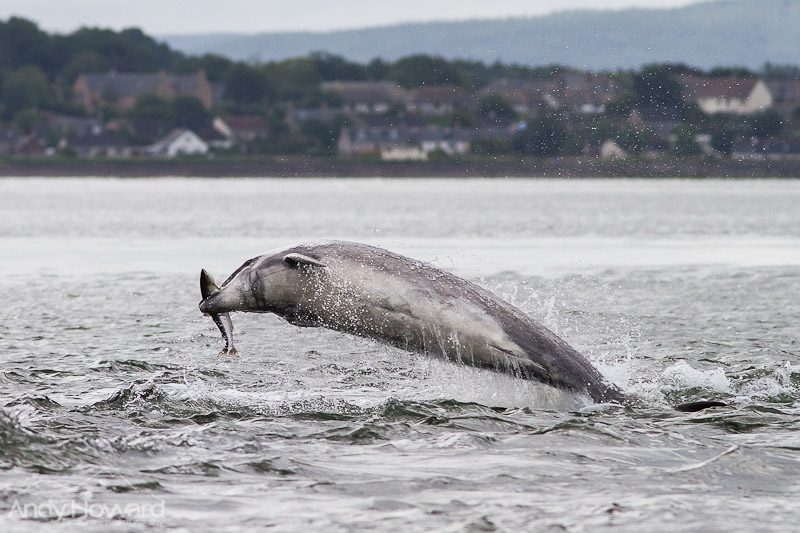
x: 117, y: 415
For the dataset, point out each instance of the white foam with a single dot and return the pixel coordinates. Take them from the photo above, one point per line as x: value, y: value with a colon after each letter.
x: 682, y: 376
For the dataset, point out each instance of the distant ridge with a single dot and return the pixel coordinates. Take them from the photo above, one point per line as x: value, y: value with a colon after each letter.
x: 722, y: 32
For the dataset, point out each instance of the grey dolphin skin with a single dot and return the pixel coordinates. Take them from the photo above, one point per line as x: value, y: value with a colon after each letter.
x: 374, y: 293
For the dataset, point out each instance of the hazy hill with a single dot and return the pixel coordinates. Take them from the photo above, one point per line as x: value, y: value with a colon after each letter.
x: 723, y: 32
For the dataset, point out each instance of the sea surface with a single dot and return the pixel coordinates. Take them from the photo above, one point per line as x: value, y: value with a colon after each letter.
x: 116, y: 414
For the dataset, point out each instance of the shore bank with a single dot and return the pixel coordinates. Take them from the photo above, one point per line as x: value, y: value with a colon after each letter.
x: 298, y: 166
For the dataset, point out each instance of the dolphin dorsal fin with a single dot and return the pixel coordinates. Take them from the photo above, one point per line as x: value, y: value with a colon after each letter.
x: 207, y: 285
x: 296, y: 260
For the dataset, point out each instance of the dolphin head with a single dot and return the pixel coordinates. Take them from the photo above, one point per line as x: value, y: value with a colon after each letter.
x: 269, y: 283
x: 263, y: 284
x: 217, y: 300
x: 231, y: 296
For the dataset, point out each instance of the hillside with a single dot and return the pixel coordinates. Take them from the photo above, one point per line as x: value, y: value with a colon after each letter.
x: 721, y: 32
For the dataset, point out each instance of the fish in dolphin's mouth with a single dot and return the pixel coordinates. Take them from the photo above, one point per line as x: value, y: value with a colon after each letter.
x: 223, y: 320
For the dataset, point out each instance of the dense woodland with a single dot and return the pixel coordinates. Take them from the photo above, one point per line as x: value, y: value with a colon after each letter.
x: 38, y: 69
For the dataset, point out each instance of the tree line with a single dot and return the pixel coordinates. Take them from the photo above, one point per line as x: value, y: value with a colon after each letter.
x: 37, y: 70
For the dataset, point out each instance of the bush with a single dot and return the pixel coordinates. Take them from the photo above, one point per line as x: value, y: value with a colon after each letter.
x: 544, y: 136
x: 490, y: 147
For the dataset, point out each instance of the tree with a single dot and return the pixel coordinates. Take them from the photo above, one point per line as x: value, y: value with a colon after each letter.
x: 23, y: 43
x: 377, y: 69
x: 765, y: 124
x: 656, y: 87
x: 190, y: 113
x: 84, y: 61
x: 420, y: 70
x: 731, y: 72
x: 293, y: 79
x: 723, y: 140
x: 496, y: 108
x: 215, y: 66
x: 25, y: 88
x: 246, y: 85
x: 152, y: 107
x: 635, y: 140
x: 621, y: 107
x: 780, y: 72
x: 490, y: 147
x: 127, y: 51
x: 333, y: 67
x: 544, y: 136
x: 323, y: 136
x: 685, y: 143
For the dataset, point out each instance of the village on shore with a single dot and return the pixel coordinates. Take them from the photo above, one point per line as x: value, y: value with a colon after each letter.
x: 147, y: 102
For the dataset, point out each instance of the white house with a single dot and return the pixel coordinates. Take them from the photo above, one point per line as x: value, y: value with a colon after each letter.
x: 178, y: 142
x: 611, y: 150
x: 403, y: 153
x: 366, y: 97
x: 742, y: 96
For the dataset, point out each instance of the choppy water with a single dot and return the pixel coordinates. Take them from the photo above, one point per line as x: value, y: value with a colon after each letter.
x: 117, y: 415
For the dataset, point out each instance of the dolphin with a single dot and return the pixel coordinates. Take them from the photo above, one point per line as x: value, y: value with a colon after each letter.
x: 371, y: 292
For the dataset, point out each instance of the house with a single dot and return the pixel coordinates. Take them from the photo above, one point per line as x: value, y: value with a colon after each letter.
x: 29, y: 145
x: 66, y: 125
x: 579, y: 92
x: 122, y: 89
x: 242, y: 128
x: 103, y: 144
x: 295, y: 117
x: 404, y: 143
x: 403, y: 153
x: 452, y: 141
x: 586, y: 92
x: 8, y: 138
x: 178, y: 142
x: 528, y: 97
x: 736, y: 95
x: 438, y: 101
x: 370, y: 141
x: 366, y: 97
x: 612, y: 150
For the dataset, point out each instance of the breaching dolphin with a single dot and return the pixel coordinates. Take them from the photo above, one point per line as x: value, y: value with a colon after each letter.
x: 374, y: 293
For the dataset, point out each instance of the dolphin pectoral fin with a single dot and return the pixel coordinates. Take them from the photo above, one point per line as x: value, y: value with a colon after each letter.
x: 520, y: 366
x: 223, y: 322
x: 296, y: 317
x: 296, y: 260
x: 301, y: 323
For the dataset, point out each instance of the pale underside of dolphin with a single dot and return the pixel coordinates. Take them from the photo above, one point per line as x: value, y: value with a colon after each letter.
x: 374, y: 293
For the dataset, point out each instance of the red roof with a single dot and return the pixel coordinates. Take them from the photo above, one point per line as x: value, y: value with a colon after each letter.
x: 700, y: 87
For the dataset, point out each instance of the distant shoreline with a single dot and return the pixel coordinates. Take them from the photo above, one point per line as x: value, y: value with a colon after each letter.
x: 298, y: 166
